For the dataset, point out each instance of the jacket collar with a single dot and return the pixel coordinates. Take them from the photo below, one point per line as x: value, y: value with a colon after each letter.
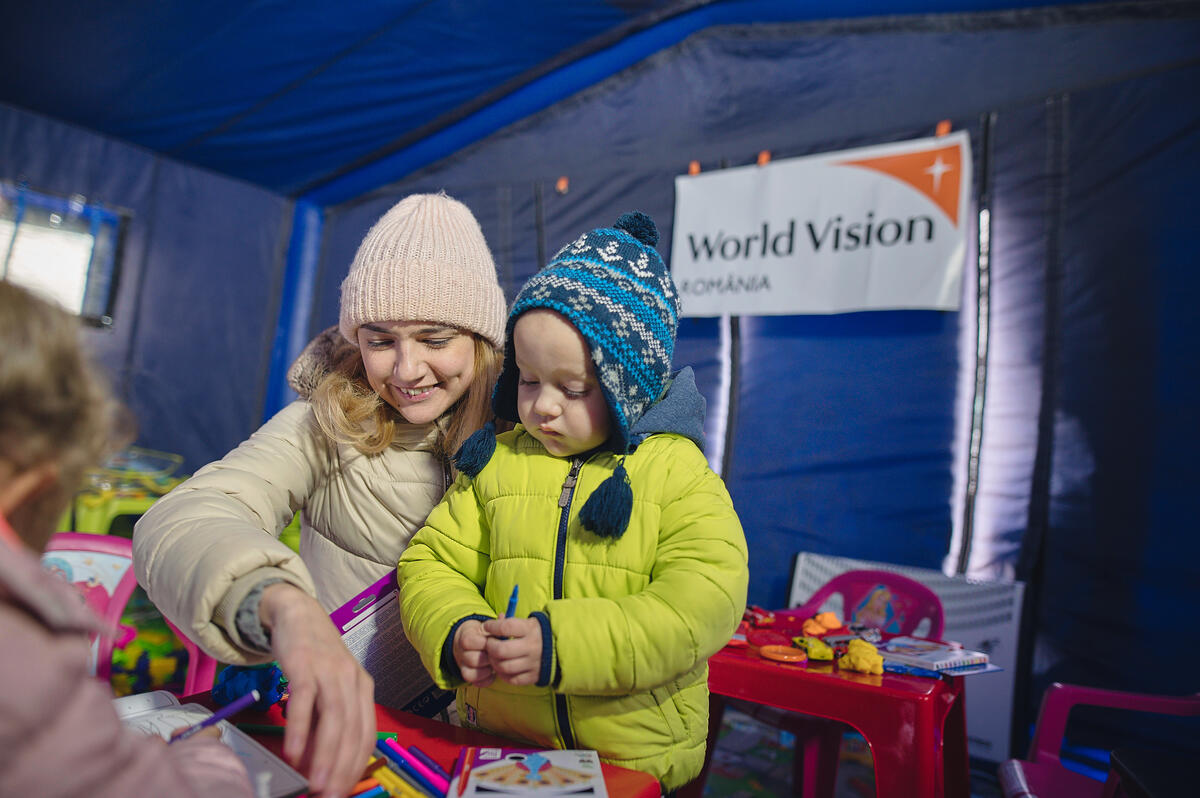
x: 680, y: 410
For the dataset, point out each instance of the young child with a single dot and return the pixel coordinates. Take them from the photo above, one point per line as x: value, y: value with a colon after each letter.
x: 600, y: 508
x: 59, y: 733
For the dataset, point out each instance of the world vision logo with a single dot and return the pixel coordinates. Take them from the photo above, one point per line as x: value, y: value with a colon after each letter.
x: 934, y: 173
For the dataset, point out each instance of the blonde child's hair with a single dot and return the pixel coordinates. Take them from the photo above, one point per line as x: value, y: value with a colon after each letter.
x: 56, y: 408
x: 349, y: 411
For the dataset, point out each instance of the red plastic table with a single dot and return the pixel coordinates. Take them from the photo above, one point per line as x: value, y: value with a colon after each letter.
x: 442, y: 742
x: 916, y: 727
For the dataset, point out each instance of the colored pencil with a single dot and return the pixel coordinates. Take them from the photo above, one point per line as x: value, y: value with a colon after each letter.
x: 374, y: 765
x: 364, y: 785
x: 466, y: 770
x: 395, y: 782
x: 406, y: 770
x: 232, y: 708
x: 261, y: 728
x: 378, y: 791
x: 438, y: 782
x: 428, y: 760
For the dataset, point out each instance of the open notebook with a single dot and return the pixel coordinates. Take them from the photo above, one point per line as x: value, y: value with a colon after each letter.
x: 160, y: 713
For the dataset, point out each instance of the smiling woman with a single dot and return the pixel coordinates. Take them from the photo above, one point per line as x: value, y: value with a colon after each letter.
x: 386, y: 398
x: 419, y: 369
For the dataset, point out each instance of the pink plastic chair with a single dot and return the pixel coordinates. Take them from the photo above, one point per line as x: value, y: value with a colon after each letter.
x: 890, y: 601
x: 1042, y: 774
x: 101, y: 568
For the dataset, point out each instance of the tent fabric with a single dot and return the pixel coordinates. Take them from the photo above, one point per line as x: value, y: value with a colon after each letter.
x: 196, y: 298
x: 838, y: 434
x: 280, y: 93
x: 291, y: 95
x: 847, y: 428
x: 738, y: 89
x: 1116, y: 553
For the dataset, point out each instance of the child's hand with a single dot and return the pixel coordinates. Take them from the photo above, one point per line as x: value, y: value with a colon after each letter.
x: 517, y: 660
x: 470, y: 652
x: 212, y: 731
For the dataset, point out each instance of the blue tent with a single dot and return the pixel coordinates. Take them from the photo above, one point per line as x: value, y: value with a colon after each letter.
x: 251, y: 144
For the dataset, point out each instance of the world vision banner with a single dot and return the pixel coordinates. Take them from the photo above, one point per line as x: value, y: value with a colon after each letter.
x: 873, y: 228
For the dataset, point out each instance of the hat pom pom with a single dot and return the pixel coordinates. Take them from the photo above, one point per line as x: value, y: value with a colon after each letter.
x: 476, y: 450
x: 607, y: 510
x: 640, y: 226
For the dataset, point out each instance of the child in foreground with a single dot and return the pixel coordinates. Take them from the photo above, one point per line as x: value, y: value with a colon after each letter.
x: 601, y: 507
x: 59, y: 733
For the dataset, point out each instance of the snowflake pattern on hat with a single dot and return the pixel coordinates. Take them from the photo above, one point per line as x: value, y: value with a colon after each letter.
x: 612, y: 286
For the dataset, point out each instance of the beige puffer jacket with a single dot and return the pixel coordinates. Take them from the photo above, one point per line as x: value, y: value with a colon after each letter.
x: 201, y: 548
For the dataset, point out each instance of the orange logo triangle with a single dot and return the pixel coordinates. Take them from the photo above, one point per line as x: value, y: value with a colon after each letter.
x: 935, y: 173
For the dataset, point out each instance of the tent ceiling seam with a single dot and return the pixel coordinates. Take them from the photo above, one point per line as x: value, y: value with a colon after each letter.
x: 232, y: 121
x: 497, y: 94
x: 921, y: 23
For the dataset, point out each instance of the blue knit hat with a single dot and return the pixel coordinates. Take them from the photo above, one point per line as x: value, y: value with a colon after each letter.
x: 613, y: 287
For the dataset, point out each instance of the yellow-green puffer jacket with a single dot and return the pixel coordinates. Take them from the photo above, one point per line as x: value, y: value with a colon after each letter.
x: 633, y: 619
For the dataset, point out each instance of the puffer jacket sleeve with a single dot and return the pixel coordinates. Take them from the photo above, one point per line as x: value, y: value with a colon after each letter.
x: 692, y: 604
x: 60, y: 736
x: 441, y: 576
x: 201, y: 548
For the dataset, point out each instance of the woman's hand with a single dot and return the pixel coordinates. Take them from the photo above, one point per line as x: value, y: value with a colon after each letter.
x: 514, y: 648
x: 470, y: 652
x: 331, y: 699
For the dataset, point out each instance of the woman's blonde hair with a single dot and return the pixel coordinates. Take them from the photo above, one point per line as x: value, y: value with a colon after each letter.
x: 55, y: 406
x: 349, y: 411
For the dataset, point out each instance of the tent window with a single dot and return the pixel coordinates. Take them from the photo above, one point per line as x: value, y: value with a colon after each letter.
x: 63, y: 248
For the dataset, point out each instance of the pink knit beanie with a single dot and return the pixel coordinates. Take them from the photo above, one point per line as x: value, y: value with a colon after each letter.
x: 424, y: 260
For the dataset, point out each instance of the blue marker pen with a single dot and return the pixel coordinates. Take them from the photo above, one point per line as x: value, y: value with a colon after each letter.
x: 512, y: 606
x: 512, y: 602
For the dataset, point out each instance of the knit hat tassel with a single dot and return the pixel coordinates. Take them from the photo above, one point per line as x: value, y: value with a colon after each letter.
x: 607, y: 510
x: 476, y: 450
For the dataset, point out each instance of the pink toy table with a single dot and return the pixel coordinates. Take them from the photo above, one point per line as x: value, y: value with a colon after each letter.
x: 916, y: 727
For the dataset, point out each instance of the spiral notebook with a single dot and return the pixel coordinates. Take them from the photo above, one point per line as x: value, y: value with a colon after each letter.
x: 931, y: 654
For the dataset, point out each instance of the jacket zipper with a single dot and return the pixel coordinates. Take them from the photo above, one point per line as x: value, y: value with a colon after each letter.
x: 560, y: 556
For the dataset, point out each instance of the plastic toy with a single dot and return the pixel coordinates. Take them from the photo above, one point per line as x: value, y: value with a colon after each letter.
x: 757, y: 616
x: 829, y: 620
x: 815, y: 648
x: 787, y: 654
x: 861, y: 656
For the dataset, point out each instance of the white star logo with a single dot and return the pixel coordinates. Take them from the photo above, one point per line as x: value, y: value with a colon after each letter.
x: 938, y: 169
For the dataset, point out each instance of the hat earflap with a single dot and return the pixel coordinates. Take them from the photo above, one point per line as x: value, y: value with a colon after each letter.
x: 476, y: 450
x: 607, y: 510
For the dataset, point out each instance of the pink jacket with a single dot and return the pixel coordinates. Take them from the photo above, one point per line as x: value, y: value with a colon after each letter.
x: 59, y: 734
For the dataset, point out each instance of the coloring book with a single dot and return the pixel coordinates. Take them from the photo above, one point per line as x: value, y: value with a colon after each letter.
x: 930, y: 654
x: 160, y: 713
x: 526, y: 771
